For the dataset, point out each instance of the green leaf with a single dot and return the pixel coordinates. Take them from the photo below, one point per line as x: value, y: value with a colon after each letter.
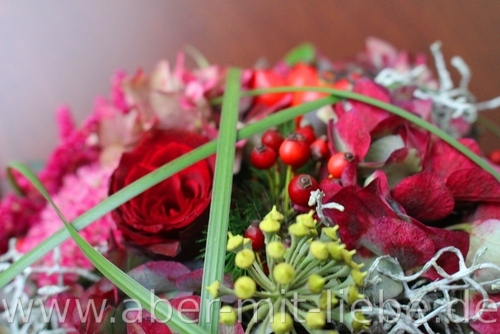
x: 162, y: 310
x: 148, y: 181
x: 221, y: 200
x: 304, y: 53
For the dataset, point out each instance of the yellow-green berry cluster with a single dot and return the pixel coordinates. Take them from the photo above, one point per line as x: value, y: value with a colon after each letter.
x: 311, y: 281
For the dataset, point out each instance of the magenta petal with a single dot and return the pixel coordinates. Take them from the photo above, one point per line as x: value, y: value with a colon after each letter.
x: 424, y: 196
x: 404, y: 241
x: 474, y: 184
x: 350, y: 135
x: 371, y: 116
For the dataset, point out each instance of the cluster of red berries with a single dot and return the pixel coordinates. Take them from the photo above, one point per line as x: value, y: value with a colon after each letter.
x: 295, y: 150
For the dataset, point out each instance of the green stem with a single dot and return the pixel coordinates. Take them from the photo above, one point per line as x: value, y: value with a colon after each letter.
x: 272, y: 186
x: 258, y: 275
x: 299, y: 252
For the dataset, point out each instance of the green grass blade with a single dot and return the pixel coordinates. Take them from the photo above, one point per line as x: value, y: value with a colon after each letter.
x: 148, y: 181
x: 162, y: 310
x: 221, y: 200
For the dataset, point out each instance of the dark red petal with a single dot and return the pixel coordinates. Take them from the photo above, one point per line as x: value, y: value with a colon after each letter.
x: 362, y: 206
x: 474, y: 184
x: 424, y: 196
x: 404, y: 241
x: 329, y: 187
x: 443, y: 238
x: 355, y: 220
x: 445, y: 159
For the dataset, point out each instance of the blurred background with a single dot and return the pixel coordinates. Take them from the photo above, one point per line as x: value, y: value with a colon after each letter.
x: 59, y: 51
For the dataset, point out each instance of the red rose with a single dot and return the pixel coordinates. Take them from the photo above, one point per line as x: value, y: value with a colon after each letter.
x: 172, y: 212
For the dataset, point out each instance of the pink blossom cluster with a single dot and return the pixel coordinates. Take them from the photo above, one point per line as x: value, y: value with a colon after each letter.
x: 79, y: 192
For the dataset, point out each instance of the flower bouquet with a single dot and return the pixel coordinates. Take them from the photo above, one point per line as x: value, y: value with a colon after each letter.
x: 312, y: 196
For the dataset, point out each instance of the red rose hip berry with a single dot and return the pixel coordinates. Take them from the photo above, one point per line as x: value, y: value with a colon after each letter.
x: 319, y: 149
x: 254, y: 233
x: 308, y: 133
x: 300, y: 187
x: 262, y: 157
x: 294, y: 150
x: 273, y: 139
x: 338, y: 162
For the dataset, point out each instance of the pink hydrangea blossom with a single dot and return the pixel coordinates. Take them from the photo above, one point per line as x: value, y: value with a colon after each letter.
x: 79, y: 192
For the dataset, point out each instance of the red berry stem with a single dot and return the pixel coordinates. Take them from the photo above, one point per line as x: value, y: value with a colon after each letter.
x: 286, y: 203
x: 272, y: 184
